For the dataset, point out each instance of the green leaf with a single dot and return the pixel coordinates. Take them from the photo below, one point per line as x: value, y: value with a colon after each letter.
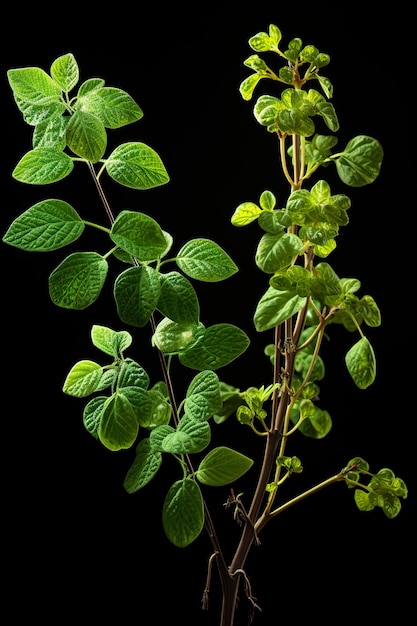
x: 173, y: 337
x: 361, y: 363
x: 146, y: 464
x: 139, y: 235
x: 43, y: 166
x: 222, y: 466
x: 178, y: 299
x: 245, y: 213
x: 119, y: 425
x: 34, y: 85
x: 316, y: 422
x: 247, y: 86
x: 92, y: 413
x: 86, y: 136
x: 265, y: 42
x: 140, y: 403
x: 203, y: 259
x: 110, y: 341
x: 51, y: 133
x: 132, y: 375
x: 276, y: 306
x: 113, y: 106
x: 161, y: 409
x: 183, y: 513
x: 362, y: 500
x: 203, y: 396
x: 136, y: 291
x: 83, y: 379
x: 64, y: 71
x: 276, y: 252
x: 78, y: 280
x: 360, y: 162
x: 190, y: 436
x: 220, y: 345
x: 48, y: 225
x: 136, y: 165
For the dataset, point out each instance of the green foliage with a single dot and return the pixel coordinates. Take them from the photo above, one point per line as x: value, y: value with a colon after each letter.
x: 384, y: 489
x: 302, y: 300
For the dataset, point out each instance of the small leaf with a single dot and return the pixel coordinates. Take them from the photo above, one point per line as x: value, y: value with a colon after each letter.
x: 245, y: 213
x: 360, y: 162
x: 83, y: 379
x: 144, y: 467
x: 190, y: 436
x: 78, y: 280
x: 86, y: 136
x: 276, y: 306
x: 203, y: 259
x: 178, y: 299
x: 114, y: 107
x: 222, y: 466
x: 361, y: 363
x: 173, y: 337
x: 48, y: 225
x: 136, y: 291
x: 183, y: 513
x: 110, y: 341
x: 64, y: 71
x: 42, y: 166
x: 220, y: 345
x: 203, y: 395
x: 139, y: 235
x: 118, y: 426
x: 92, y: 413
x: 132, y: 375
x: 136, y: 165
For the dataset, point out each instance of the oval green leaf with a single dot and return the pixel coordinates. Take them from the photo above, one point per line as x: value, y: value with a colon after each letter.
x: 78, y: 280
x: 136, y: 165
x: 48, y: 225
x: 183, y: 513
x: 42, y: 166
x: 220, y: 345
x: 222, y: 466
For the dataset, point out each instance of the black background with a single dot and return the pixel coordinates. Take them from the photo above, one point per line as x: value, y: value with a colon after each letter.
x: 77, y: 545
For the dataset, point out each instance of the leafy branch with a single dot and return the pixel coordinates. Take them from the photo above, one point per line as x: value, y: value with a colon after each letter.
x: 126, y: 405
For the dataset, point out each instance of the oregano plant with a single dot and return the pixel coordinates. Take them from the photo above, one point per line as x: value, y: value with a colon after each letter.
x: 125, y: 403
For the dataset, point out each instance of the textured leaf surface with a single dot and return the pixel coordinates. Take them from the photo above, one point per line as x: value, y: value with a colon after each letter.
x: 222, y: 466
x: 136, y: 165
x: 144, y: 467
x: 205, y: 260
x: 48, y: 225
x: 183, y: 513
x: 219, y: 345
x: 77, y: 281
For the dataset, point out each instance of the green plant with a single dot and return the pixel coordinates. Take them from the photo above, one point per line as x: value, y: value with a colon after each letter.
x: 128, y: 405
